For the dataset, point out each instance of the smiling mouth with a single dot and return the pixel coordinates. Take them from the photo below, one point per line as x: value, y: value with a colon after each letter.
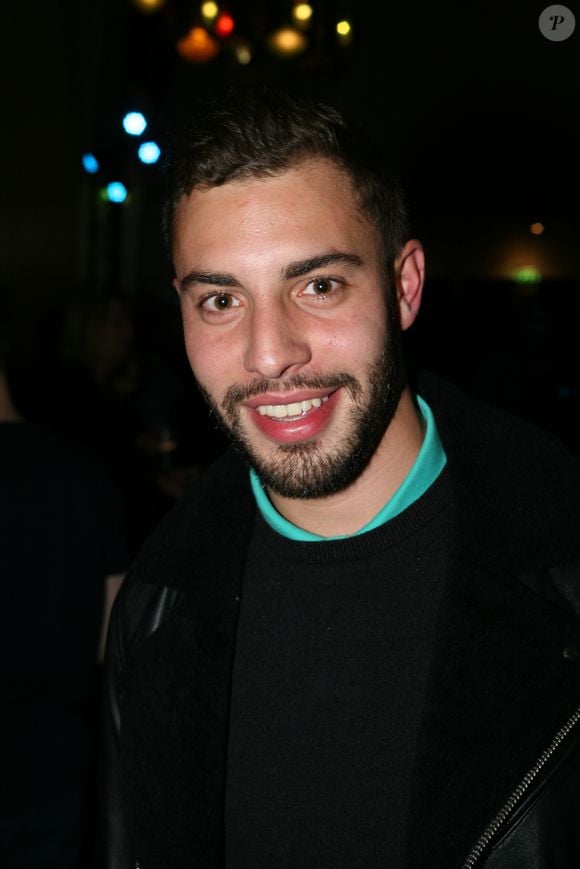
x: 293, y: 411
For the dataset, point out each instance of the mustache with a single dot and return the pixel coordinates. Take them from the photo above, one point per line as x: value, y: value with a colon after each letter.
x: 237, y: 394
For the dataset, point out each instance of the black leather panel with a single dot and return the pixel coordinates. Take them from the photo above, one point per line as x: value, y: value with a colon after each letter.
x: 138, y: 612
x: 547, y: 832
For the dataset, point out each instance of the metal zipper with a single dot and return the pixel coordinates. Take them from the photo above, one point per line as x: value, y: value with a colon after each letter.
x: 515, y: 797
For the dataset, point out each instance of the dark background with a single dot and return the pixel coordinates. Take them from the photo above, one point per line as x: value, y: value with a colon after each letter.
x: 477, y: 111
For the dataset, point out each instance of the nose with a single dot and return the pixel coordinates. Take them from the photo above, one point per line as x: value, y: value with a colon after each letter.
x: 276, y: 342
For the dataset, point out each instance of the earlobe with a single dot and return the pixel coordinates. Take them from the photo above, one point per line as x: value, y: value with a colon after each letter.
x: 410, y: 276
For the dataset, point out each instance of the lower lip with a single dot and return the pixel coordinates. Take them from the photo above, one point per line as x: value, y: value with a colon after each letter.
x: 303, y: 428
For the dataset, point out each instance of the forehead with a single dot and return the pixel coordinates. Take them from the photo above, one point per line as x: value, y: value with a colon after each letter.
x: 312, y: 205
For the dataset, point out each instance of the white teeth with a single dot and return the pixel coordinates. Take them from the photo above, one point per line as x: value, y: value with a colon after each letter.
x: 279, y: 411
x: 296, y: 408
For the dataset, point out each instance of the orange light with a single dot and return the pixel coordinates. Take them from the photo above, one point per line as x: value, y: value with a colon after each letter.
x: 197, y: 46
x: 149, y: 6
x: 224, y: 25
x: 287, y: 41
x: 537, y: 228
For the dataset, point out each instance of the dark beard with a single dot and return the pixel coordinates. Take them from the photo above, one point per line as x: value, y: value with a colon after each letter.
x: 305, y: 470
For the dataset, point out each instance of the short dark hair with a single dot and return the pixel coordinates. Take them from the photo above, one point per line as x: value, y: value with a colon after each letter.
x: 263, y: 133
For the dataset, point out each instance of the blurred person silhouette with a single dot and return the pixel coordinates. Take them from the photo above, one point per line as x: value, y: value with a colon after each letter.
x: 105, y: 386
x: 62, y: 557
x: 97, y: 371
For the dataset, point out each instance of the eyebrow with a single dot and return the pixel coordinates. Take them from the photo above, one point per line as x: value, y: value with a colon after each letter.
x: 302, y: 267
x: 208, y: 278
x: 293, y: 270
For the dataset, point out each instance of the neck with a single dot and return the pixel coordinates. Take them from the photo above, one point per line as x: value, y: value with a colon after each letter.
x: 349, y: 510
x: 8, y: 412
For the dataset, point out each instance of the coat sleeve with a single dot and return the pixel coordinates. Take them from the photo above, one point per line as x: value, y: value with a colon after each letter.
x: 113, y: 836
x: 138, y: 612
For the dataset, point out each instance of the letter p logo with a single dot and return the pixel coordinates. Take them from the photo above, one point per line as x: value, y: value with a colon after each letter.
x: 557, y: 23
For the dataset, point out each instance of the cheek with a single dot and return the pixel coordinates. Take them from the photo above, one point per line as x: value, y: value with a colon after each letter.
x: 197, y: 355
x: 357, y: 344
x: 212, y: 363
x: 209, y: 351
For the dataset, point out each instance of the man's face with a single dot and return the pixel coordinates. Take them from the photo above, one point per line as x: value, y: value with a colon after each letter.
x: 286, y: 324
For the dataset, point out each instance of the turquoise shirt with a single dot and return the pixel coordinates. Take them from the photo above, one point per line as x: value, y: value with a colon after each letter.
x: 426, y: 468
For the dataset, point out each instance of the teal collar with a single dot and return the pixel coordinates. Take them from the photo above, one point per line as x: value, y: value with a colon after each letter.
x: 426, y: 468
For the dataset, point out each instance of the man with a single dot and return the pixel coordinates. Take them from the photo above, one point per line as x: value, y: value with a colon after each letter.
x: 363, y: 651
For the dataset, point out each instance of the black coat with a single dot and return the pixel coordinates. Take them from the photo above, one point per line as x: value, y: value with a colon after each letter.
x: 497, y: 777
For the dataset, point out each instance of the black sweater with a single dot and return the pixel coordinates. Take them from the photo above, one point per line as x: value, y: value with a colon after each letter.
x: 333, y: 649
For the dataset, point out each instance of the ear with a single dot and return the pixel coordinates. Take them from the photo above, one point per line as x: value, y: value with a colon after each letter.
x: 410, y: 277
x: 177, y: 286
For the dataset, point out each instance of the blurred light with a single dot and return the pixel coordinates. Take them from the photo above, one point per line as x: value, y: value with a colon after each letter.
x: 149, y: 6
x: 197, y: 46
x: 116, y: 192
x: 149, y: 152
x: 90, y: 164
x: 302, y: 13
x: 527, y: 275
x: 537, y: 228
x: 242, y: 50
x: 134, y: 123
x: 209, y: 10
x: 344, y: 32
x: 224, y: 25
x: 287, y: 41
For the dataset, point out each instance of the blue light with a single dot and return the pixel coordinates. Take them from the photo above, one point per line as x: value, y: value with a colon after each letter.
x: 134, y: 123
x: 116, y: 192
x: 149, y: 152
x: 90, y: 164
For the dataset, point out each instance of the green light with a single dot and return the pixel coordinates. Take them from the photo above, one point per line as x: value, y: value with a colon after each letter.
x: 527, y: 275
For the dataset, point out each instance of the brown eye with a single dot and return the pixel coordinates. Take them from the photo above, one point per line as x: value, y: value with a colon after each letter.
x: 218, y: 303
x: 321, y: 286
